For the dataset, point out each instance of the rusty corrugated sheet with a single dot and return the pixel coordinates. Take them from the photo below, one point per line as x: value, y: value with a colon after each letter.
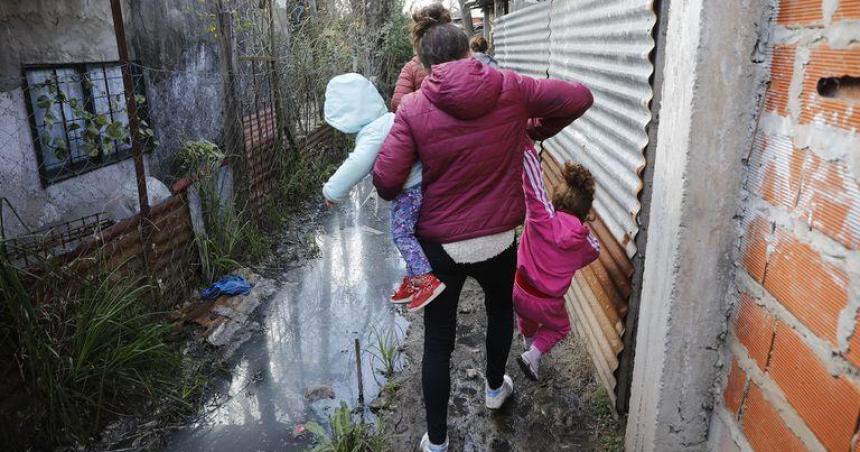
x: 597, y: 299
x: 605, y: 45
x: 260, y: 132
x: 173, y: 260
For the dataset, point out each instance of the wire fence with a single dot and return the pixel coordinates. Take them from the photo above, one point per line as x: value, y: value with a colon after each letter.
x: 231, y: 135
x: 66, y: 141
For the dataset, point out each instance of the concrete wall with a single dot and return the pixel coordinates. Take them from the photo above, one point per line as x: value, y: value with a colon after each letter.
x: 49, y: 32
x: 713, y: 74
x: 171, y: 41
x: 793, y: 350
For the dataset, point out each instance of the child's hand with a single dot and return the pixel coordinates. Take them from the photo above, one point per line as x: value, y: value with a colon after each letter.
x: 330, y: 204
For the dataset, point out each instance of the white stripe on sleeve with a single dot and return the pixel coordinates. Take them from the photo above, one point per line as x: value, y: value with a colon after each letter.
x: 532, y: 169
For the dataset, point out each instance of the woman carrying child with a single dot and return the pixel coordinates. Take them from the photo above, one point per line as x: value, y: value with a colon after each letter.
x: 353, y: 105
x: 469, y: 126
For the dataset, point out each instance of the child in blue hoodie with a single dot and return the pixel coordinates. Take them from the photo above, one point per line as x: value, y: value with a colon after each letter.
x: 353, y: 105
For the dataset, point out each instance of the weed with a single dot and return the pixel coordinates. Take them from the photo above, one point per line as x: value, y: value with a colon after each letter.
x: 606, y: 431
x: 86, y: 350
x: 391, y: 386
x: 386, y: 350
x: 228, y: 240
x: 347, y: 434
x: 304, y: 174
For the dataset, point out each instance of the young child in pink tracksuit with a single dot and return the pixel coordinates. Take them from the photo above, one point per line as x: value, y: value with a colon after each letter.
x: 555, y: 244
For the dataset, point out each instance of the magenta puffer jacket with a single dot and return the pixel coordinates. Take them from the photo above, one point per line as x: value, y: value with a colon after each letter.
x: 469, y: 125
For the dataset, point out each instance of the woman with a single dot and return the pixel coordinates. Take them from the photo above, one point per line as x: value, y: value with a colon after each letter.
x: 469, y: 125
x: 479, y: 46
x: 413, y: 72
x: 408, y: 81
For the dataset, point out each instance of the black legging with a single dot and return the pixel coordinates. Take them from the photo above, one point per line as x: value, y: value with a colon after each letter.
x: 496, y: 277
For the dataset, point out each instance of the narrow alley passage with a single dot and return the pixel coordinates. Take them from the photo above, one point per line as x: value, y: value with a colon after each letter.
x: 306, y: 341
x: 308, y: 329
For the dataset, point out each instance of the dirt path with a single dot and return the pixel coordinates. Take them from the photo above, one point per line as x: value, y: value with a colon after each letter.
x: 565, y: 411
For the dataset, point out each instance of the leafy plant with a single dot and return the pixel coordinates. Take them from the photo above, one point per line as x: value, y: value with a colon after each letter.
x: 100, y: 132
x: 199, y: 156
x: 347, y: 434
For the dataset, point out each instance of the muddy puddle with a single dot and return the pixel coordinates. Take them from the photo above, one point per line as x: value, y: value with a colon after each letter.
x: 300, y: 363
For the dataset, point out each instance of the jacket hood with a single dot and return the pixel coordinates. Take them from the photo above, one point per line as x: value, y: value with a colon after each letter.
x: 352, y: 102
x: 465, y: 89
x: 571, y: 232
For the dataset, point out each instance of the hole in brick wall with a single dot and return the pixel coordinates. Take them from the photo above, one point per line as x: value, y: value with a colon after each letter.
x: 846, y: 88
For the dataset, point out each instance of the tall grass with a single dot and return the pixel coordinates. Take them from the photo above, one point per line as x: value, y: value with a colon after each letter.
x: 86, y: 350
x: 305, y: 171
x: 385, y: 350
x: 229, y: 239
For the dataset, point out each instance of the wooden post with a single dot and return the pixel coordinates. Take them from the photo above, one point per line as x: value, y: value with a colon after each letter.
x: 358, y: 372
x: 131, y: 106
x: 281, y: 120
x: 234, y: 140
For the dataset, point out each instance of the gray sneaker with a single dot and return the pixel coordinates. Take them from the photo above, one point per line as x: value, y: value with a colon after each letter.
x: 497, y: 397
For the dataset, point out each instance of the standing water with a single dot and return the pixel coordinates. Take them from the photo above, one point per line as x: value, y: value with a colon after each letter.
x: 309, y: 328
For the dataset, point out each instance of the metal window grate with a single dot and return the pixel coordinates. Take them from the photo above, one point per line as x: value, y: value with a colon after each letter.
x: 78, y: 117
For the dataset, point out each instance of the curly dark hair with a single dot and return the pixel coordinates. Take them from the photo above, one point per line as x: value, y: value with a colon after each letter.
x: 576, y: 193
x: 435, y: 38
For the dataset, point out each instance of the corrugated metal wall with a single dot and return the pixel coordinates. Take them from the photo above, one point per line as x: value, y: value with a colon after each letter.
x: 521, y: 38
x: 604, y: 44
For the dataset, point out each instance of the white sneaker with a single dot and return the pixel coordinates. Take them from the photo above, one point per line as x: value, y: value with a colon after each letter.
x: 529, y: 365
x: 427, y: 446
x: 527, y: 343
x: 497, y: 397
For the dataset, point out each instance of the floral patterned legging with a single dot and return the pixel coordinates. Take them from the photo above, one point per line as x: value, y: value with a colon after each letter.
x: 404, y: 216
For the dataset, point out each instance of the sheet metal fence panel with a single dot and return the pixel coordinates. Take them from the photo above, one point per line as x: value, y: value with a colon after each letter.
x: 521, y: 40
x: 604, y: 44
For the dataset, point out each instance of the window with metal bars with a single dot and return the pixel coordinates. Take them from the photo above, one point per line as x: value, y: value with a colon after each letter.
x: 78, y: 117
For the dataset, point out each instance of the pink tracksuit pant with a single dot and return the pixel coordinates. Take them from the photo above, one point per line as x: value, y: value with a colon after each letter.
x: 544, y: 320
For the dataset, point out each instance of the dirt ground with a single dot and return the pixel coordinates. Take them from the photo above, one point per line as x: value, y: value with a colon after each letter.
x: 566, y: 410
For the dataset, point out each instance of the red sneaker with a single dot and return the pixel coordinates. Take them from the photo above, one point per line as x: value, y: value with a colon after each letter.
x: 427, y: 288
x: 404, y: 293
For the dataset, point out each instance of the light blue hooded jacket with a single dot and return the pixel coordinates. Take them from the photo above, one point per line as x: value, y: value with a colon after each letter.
x: 353, y: 105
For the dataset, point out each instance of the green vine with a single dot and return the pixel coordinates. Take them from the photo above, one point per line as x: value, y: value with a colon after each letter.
x: 100, y: 133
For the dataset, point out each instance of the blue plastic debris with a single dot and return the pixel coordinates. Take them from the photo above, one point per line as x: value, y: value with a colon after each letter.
x: 227, y: 285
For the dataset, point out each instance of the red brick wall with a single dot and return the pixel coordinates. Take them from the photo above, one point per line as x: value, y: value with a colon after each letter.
x: 792, y: 378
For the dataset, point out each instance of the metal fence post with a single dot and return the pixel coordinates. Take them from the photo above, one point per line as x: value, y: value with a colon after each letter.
x: 134, y: 131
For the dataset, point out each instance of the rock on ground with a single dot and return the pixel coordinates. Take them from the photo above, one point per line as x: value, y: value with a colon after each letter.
x: 566, y: 410
x: 319, y: 392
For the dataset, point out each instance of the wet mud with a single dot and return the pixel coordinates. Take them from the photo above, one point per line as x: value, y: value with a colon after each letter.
x: 566, y: 411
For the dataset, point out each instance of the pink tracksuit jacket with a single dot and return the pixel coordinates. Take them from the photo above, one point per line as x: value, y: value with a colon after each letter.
x: 554, y: 245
